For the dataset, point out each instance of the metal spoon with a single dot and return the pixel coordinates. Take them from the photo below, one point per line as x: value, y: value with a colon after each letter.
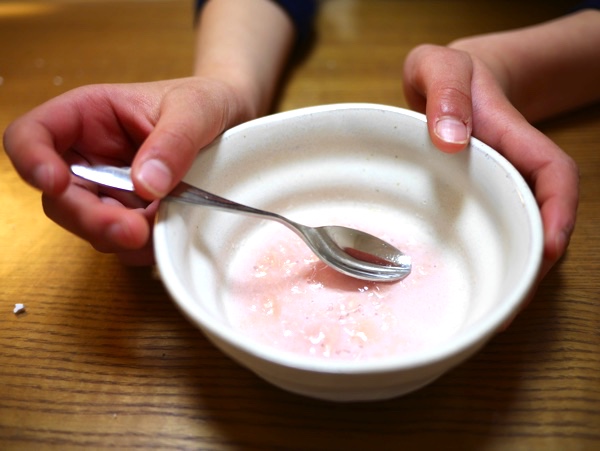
x: 347, y: 250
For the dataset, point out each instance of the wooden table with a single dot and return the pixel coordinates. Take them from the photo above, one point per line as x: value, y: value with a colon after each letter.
x: 102, y: 358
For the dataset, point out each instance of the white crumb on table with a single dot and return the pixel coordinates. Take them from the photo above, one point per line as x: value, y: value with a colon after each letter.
x: 19, y: 308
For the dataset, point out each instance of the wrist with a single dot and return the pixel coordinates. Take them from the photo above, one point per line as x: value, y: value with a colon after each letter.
x: 545, y: 69
x: 234, y: 45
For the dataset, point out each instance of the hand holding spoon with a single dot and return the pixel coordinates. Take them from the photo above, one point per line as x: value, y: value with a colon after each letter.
x: 349, y: 251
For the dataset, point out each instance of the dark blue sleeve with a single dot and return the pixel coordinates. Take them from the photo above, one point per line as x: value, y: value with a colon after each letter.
x: 588, y: 4
x: 302, y: 13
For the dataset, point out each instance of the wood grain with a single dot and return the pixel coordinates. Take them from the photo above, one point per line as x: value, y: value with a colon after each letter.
x: 103, y: 359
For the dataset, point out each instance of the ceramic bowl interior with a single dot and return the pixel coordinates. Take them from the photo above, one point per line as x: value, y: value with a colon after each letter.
x: 372, y: 159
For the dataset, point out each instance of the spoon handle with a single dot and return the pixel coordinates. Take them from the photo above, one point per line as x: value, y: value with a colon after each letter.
x: 120, y: 178
x: 184, y: 192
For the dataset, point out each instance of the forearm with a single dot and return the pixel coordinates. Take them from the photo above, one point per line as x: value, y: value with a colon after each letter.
x: 545, y: 69
x: 245, y: 44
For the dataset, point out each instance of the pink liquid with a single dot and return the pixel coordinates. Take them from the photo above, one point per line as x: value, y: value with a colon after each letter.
x: 284, y: 296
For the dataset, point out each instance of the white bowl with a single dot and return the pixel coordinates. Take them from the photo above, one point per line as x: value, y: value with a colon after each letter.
x: 373, y: 160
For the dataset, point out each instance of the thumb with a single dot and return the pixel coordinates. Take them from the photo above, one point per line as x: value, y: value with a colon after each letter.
x: 438, y: 80
x: 189, y: 120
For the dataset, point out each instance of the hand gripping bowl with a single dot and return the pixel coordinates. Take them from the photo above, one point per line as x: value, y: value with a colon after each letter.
x: 371, y: 162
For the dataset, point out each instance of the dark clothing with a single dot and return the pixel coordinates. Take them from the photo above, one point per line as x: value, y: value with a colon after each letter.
x: 589, y: 4
x: 302, y: 13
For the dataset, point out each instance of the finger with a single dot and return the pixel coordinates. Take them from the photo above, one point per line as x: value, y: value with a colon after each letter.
x: 555, y: 181
x: 30, y: 145
x: 437, y: 80
x: 552, y: 174
x: 93, y: 121
x: 189, y: 120
x: 108, y: 226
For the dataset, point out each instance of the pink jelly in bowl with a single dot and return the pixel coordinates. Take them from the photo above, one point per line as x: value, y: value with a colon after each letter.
x: 281, y: 294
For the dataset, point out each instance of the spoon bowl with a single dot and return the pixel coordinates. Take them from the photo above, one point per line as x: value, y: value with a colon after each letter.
x: 347, y: 250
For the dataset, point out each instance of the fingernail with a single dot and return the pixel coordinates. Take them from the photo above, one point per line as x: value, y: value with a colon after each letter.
x: 119, y: 233
x: 43, y: 177
x: 452, y: 130
x: 156, y: 177
x: 116, y: 232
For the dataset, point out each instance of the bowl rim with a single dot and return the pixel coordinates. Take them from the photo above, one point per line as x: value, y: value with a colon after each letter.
x: 474, y: 336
